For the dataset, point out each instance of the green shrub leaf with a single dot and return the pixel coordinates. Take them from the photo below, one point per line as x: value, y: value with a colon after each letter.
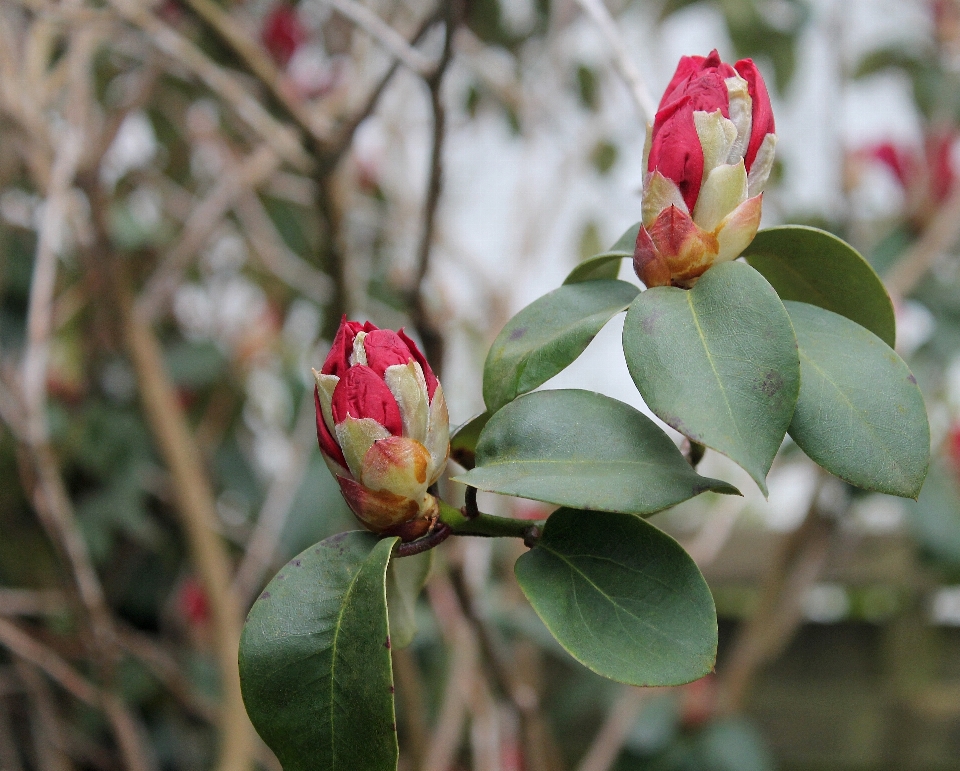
x: 860, y: 414
x: 581, y: 449
x: 606, y: 265
x: 812, y: 266
x: 548, y: 335
x: 718, y: 363
x: 315, y: 659
x: 622, y: 597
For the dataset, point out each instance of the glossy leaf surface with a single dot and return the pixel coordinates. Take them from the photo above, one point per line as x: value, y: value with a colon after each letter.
x: 606, y: 265
x: 622, y: 597
x: 548, y: 335
x: 315, y: 659
x: 812, y: 266
x: 860, y: 414
x: 582, y: 449
x: 718, y: 363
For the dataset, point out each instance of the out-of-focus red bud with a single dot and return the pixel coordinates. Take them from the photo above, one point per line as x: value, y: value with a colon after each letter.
x: 383, y: 428
x: 193, y: 603
x: 282, y: 33
x: 709, y: 153
x: 953, y: 447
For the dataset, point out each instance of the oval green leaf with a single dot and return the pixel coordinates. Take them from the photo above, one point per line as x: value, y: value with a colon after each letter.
x: 860, y: 414
x: 622, y: 597
x: 606, y: 264
x: 582, y: 449
x: 718, y: 363
x: 315, y: 659
x: 548, y: 335
x: 812, y: 266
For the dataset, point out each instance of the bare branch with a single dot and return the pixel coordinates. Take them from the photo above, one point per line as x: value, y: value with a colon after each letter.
x: 204, y: 220
x: 597, y: 11
x: 608, y: 742
x: 262, y: 545
x: 281, y: 138
x: 938, y: 237
x: 386, y: 35
x: 24, y: 646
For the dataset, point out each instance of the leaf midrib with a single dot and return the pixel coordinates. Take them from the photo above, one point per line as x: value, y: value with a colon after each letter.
x: 608, y: 598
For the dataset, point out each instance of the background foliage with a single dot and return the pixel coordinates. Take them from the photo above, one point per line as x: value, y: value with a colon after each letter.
x: 191, y: 195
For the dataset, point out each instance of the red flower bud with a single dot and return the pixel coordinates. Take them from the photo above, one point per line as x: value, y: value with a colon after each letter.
x: 282, y: 33
x: 710, y: 151
x: 383, y: 428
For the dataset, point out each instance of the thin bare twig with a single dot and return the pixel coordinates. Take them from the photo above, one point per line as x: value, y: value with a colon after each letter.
x: 25, y: 647
x: 205, y: 219
x: 198, y: 511
x: 608, y: 742
x: 256, y: 60
x: 31, y: 602
x: 280, y: 137
x: 794, y: 570
x: 621, y: 56
x: 262, y: 545
x: 429, y: 334
x: 939, y: 236
x: 44, y: 725
x: 274, y: 253
x: 386, y: 35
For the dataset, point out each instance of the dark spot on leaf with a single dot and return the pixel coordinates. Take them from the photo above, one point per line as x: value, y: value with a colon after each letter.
x: 265, y: 596
x: 337, y: 538
x: 281, y: 576
x: 392, y: 689
x: 518, y: 333
x: 772, y: 383
x: 387, y: 643
x: 649, y: 323
x: 912, y: 379
x: 295, y: 563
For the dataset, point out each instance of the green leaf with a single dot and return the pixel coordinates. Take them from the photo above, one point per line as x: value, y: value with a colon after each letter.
x: 622, y: 597
x: 583, y: 449
x: 812, y: 266
x: 860, y: 414
x: 405, y: 579
x: 315, y: 659
x: 605, y: 265
x: 548, y: 335
x: 718, y: 363
x: 463, y: 441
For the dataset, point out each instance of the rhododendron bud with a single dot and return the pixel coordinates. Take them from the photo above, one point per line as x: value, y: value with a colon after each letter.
x: 709, y: 153
x: 282, y: 33
x: 383, y: 428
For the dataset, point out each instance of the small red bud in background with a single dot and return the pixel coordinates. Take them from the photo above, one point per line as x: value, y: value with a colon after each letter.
x: 282, y: 33
x: 193, y: 603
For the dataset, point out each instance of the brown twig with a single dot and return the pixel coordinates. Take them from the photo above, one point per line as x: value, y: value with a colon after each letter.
x: 628, y: 70
x: 429, y: 334
x: 939, y: 236
x: 45, y: 728
x: 608, y: 742
x: 30, y: 602
x: 281, y: 138
x: 786, y: 583
x: 262, y: 544
x: 261, y: 66
x: 198, y: 511
x: 386, y: 35
x: 204, y: 220
x: 25, y: 647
